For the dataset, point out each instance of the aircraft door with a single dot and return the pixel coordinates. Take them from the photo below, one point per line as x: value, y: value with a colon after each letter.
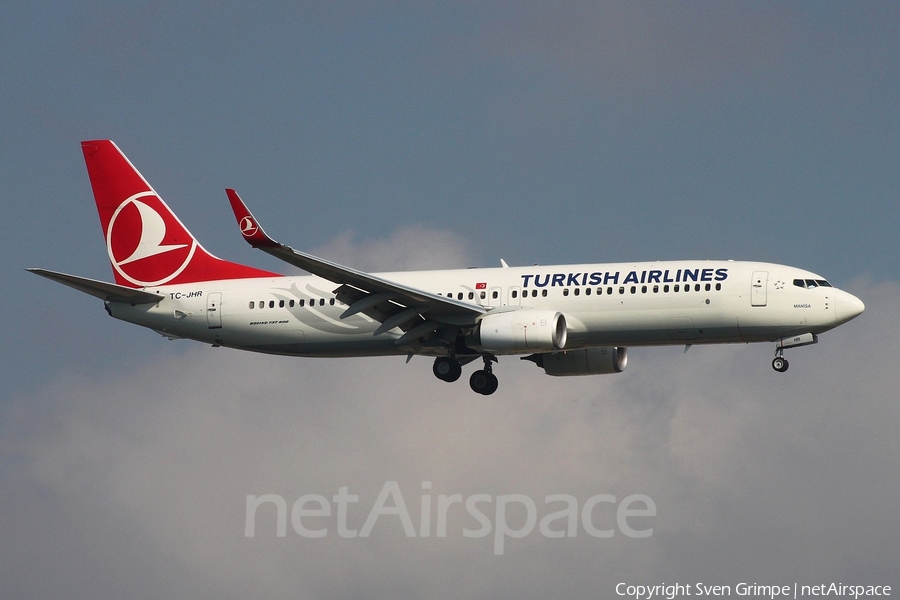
x: 214, y: 310
x: 758, y: 288
x: 493, y: 298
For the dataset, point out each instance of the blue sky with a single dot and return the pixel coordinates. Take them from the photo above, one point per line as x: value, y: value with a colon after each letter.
x: 459, y: 133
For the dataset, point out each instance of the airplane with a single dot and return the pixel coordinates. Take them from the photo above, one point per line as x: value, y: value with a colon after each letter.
x: 569, y: 320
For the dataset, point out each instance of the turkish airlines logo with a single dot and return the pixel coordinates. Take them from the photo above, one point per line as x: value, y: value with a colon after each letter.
x: 147, y: 245
x: 248, y: 227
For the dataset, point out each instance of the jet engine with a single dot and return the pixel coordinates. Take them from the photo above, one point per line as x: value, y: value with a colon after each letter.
x: 522, y: 331
x: 591, y: 361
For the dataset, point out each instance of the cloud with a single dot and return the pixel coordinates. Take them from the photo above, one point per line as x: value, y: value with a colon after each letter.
x: 135, y: 484
x: 409, y: 248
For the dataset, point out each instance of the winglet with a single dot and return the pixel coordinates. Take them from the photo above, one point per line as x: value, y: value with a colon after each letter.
x: 250, y: 227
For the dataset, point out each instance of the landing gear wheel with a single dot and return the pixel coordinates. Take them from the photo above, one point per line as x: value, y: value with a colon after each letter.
x: 483, y: 382
x: 446, y: 369
x: 492, y: 385
x: 780, y: 364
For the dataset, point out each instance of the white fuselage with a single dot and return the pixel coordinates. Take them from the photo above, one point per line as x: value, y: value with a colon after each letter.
x: 624, y: 304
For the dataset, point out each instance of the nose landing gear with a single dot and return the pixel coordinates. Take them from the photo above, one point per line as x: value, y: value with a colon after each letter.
x: 780, y: 363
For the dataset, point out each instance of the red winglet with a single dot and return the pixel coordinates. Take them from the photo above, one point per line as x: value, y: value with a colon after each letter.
x: 250, y: 227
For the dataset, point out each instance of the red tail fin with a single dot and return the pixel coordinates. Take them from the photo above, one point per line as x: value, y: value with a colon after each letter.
x: 147, y: 244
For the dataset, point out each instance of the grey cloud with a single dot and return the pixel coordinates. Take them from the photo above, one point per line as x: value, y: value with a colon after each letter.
x: 135, y: 483
x: 408, y: 248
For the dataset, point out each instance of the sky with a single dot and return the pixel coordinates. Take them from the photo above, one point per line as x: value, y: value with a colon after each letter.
x: 427, y: 135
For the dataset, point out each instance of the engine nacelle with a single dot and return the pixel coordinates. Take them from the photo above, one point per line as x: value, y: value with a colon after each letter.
x: 591, y: 361
x: 521, y: 331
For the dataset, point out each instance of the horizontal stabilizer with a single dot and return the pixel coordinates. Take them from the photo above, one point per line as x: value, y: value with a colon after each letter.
x: 108, y: 292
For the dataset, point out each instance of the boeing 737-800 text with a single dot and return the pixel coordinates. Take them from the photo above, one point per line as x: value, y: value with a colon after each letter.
x: 567, y: 319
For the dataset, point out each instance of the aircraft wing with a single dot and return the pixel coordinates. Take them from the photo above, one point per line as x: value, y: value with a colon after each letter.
x: 418, y: 313
x: 108, y: 292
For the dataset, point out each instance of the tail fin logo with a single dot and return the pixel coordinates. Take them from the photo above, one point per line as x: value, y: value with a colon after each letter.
x: 248, y: 227
x: 147, y: 245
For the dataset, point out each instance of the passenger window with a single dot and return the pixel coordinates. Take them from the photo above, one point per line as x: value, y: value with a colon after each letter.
x: 577, y: 291
x: 696, y: 287
x: 281, y: 304
x: 252, y: 304
x: 471, y: 295
x: 566, y: 292
x: 331, y: 301
x: 291, y: 304
x: 495, y: 294
x: 262, y: 303
x: 655, y: 289
x: 634, y: 289
x: 483, y: 295
x: 459, y: 296
x: 666, y: 289
x: 708, y: 287
x: 622, y: 289
x: 302, y: 303
x: 677, y: 288
x: 718, y: 287
x: 643, y: 289
x: 544, y: 293
x: 515, y: 294
x: 587, y: 291
x: 271, y: 304
x: 609, y: 291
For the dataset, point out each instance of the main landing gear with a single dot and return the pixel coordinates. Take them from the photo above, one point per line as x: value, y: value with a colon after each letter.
x: 447, y: 369
x: 482, y: 381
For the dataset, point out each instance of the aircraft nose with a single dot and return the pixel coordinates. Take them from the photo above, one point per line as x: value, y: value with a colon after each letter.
x: 847, y: 306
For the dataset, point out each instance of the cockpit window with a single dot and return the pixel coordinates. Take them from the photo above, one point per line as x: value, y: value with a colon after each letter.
x: 811, y: 283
